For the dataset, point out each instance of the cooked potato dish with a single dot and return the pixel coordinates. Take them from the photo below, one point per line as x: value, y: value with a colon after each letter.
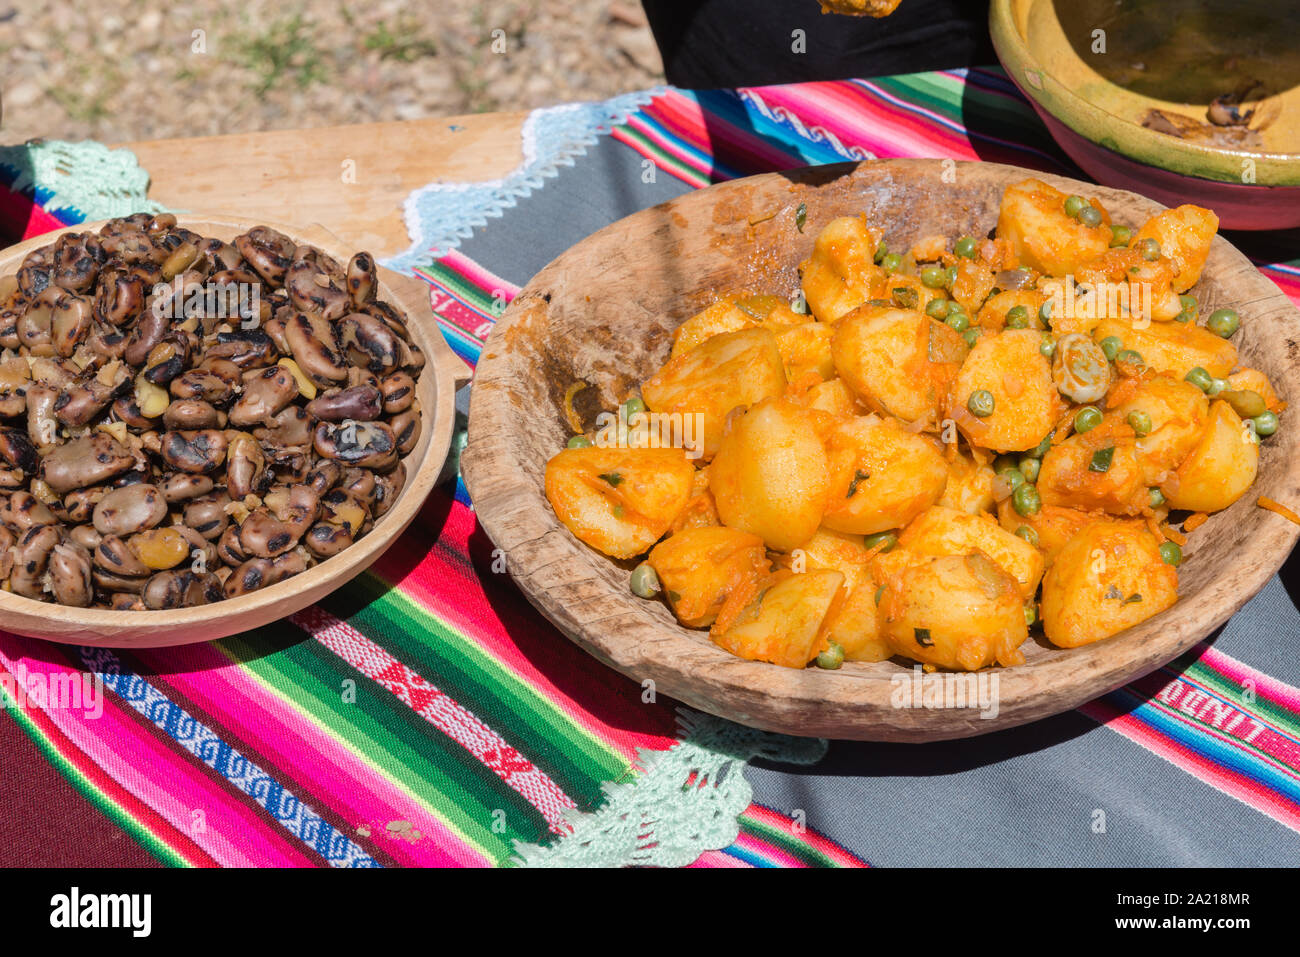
x: 936, y: 448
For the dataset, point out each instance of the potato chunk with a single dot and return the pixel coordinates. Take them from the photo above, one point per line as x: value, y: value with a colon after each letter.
x: 1253, y: 380
x: 880, y: 476
x: 970, y: 486
x: 1054, y: 524
x: 618, y: 501
x: 1184, y: 234
x: 1107, y: 578
x: 770, y: 475
x: 898, y: 361
x: 853, y: 627
x: 1220, y: 467
x: 806, y: 348
x: 841, y: 274
x: 726, y: 371
x: 1177, y: 411
x: 1033, y: 218
x: 1098, y: 469
x: 943, y: 531
x: 1026, y: 403
x: 784, y: 625
x: 1173, y: 347
x: 699, y: 567
x: 959, y: 612
x: 731, y: 315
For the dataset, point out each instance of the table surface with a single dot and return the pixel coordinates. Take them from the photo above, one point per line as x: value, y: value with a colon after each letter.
x: 350, y: 179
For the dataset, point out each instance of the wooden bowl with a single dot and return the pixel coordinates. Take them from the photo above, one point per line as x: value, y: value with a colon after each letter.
x: 443, y: 373
x: 1093, y: 70
x: 604, y: 311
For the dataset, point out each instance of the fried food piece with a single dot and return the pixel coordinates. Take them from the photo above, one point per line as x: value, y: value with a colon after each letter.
x: 959, y: 612
x: 1107, y: 578
x: 841, y: 274
x: 1098, y: 469
x: 699, y: 567
x: 618, y: 501
x: 1026, y: 403
x: 1043, y: 235
x: 1221, y: 466
x: 943, y: 531
x: 1173, y: 347
x: 784, y: 624
x: 861, y: 8
x: 1184, y: 234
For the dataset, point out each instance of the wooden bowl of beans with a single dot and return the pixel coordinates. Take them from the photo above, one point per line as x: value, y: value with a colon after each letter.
x: 205, y: 425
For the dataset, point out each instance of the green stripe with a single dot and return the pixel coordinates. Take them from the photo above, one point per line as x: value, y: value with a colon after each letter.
x: 453, y: 281
x: 135, y: 829
x: 578, y: 762
x: 457, y: 787
x: 1270, y: 711
x: 785, y: 841
x: 663, y: 157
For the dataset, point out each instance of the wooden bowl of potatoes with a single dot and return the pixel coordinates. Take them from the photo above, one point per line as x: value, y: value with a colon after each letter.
x: 617, y: 323
x: 176, y: 469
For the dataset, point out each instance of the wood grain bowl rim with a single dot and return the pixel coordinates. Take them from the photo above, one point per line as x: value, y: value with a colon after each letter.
x: 543, y: 557
x: 443, y: 373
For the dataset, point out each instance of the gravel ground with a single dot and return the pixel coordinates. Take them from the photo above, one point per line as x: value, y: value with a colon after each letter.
x: 119, y: 71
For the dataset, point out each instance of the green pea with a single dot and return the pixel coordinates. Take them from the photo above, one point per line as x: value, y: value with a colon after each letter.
x: 1087, y: 419
x: 1139, y: 421
x: 887, y: 541
x: 832, y: 658
x: 932, y: 277
x: 1199, y: 378
x: 972, y: 336
x: 1047, y: 347
x: 1026, y: 500
x: 645, y: 583
x: 881, y: 252
x: 1028, y: 534
x: 1223, y: 322
x: 1045, y: 312
x: 1190, y: 306
x: 1004, y: 463
x: 1150, y: 249
x: 1130, y: 357
x: 891, y: 263
x: 1155, y: 497
x: 905, y: 296
x: 634, y: 406
x: 980, y: 403
x: 579, y: 442
x: 937, y: 308
x: 1014, y: 478
x: 1111, y: 346
x: 1120, y: 236
x: 1073, y: 204
x: 1216, y: 386
x: 1265, y: 424
x: 965, y: 247
x: 1090, y: 217
x: 959, y: 321
x: 950, y: 276
x: 1029, y: 468
x: 1171, y: 554
x: 1017, y: 317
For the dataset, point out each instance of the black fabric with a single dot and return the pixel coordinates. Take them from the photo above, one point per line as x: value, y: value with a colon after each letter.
x: 714, y: 43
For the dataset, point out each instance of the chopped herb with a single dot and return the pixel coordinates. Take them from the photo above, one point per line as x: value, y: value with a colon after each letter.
x: 882, y: 303
x: 879, y: 593
x: 905, y: 297
x: 1113, y: 592
x: 618, y: 511
x: 674, y: 596
x: 1132, y: 598
x: 801, y: 216
x: 859, y: 476
x: 611, y: 478
x: 923, y: 637
x: 1101, y: 459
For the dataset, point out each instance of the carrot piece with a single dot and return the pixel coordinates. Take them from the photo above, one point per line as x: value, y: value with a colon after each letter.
x: 1174, y: 535
x: 1195, y: 521
x: 1280, y: 509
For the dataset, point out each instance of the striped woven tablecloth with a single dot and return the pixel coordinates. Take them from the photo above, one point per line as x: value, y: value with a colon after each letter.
x: 426, y: 714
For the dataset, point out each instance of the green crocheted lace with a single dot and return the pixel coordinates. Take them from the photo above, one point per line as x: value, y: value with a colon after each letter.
x: 686, y: 800
x: 88, y: 177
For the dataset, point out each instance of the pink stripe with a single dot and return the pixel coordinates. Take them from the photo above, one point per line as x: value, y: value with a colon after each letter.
x: 1269, y: 687
x: 475, y: 273
x: 718, y: 859
x: 441, y: 711
x: 770, y: 852
x: 1253, y: 795
x: 821, y: 843
x: 233, y: 834
x: 329, y: 769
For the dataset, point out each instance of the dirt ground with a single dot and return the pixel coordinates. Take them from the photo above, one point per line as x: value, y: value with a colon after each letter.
x: 119, y: 71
